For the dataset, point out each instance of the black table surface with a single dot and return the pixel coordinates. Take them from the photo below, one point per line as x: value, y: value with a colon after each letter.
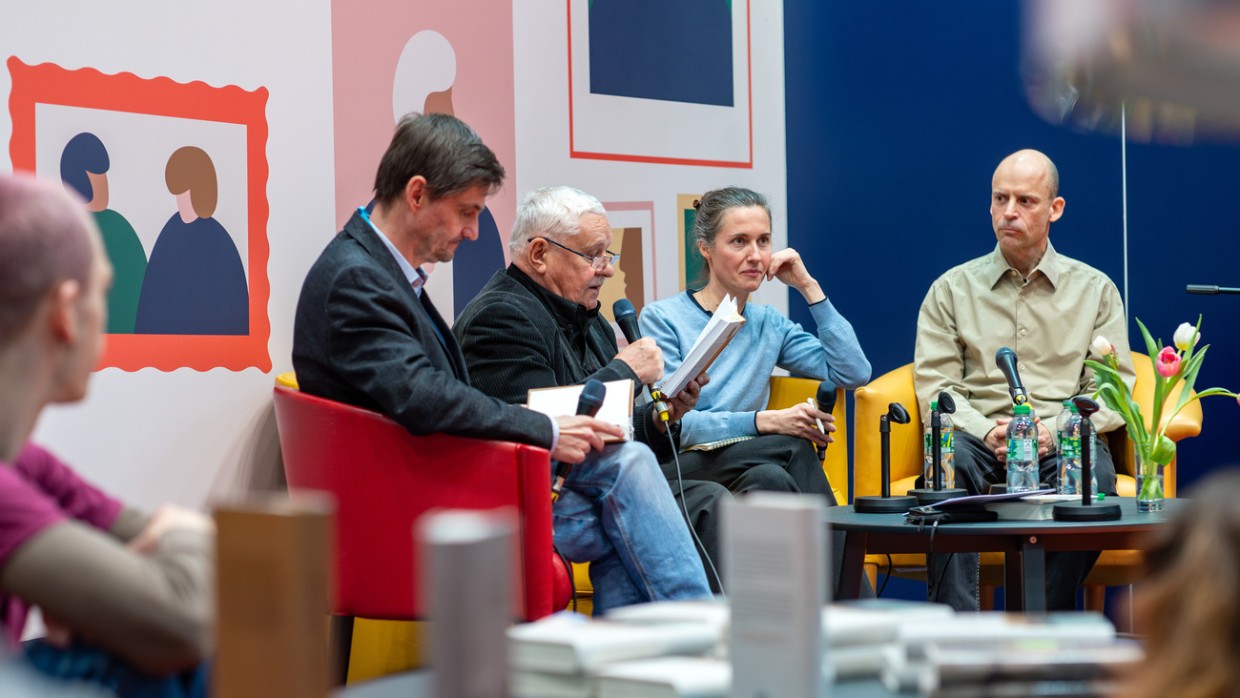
x: 843, y: 518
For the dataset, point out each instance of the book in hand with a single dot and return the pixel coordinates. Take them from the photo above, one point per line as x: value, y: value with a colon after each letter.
x: 561, y: 401
x: 571, y: 644
x: 1035, y: 507
x: 719, y: 330
x: 665, y: 677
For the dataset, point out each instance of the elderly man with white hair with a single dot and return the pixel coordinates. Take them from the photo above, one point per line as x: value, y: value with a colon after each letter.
x: 536, y: 324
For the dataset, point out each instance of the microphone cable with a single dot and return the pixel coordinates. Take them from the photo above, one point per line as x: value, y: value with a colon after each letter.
x: 680, y: 483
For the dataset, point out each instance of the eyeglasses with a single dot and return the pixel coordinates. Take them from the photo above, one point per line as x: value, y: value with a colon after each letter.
x: 597, y: 262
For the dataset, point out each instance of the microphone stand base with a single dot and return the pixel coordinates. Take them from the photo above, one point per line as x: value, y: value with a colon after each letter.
x: 1097, y: 511
x: 925, y: 495
x: 874, y: 504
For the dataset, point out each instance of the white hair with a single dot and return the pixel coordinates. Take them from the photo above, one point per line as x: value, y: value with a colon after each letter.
x: 551, y: 212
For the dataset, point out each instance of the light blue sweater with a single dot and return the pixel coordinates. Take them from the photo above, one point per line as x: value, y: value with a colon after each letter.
x: 739, y: 378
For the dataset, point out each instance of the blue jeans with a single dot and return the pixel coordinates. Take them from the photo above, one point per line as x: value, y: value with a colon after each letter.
x: 617, y: 513
x: 83, y: 664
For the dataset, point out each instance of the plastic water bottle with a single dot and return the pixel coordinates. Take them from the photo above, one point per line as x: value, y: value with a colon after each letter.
x: 1062, y: 419
x: 1070, y: 457
x: 1022, y: 451
x: 1070, y: 452
x: 947, y: 450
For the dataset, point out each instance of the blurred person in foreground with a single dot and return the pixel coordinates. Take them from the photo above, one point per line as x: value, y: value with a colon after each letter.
x: 1188, y: 608
x: 126, y: 597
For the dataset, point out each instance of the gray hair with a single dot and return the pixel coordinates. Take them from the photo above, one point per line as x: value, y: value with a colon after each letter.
x: 551, y: 212
x: 712, y: 207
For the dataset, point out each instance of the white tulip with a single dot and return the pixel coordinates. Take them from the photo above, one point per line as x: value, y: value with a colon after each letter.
x: 1185, y: 336
x: 1102, y: 347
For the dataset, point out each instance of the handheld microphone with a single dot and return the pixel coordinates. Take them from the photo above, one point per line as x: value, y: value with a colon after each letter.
x: 626, y: 318
x: 1006, y: 360
x: 826, y: 402
x: 591, y: 400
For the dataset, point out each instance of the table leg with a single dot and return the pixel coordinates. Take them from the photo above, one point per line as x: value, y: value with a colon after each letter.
x: 853, y: 564
x: 1013, y: 582
x: 1033, y: 556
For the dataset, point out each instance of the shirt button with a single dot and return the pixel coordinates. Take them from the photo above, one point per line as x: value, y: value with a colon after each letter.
x: 1023, y: 332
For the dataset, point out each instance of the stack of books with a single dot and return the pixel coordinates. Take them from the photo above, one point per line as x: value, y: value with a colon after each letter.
x: 679, y: 649
x: 563, y: 655
x: 908, y: 659
x: 1064, y: 667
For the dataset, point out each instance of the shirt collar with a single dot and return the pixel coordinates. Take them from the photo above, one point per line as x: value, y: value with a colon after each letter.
x: 570, y: 315
x: 998, y: 265
x: 415, y: 276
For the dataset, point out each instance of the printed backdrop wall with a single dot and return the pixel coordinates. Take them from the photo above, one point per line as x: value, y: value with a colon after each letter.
x: 234, y: 137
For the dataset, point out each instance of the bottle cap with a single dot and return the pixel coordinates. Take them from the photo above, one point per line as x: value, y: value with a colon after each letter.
x: 1072, y: 407
x: 1068, y: 404
x: 934, y: 404
x: 1021, y: 409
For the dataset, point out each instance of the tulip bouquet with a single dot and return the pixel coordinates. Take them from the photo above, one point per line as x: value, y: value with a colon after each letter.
x: 1171, y: 365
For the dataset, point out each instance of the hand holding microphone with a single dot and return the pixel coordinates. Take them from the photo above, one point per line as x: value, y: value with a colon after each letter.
x: 825, y: 401
x: 626, y: 318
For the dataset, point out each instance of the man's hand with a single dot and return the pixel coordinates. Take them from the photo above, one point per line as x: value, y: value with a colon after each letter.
x: 786, y: 265
x: 996, y: 439
x: 645, y: 358
x: 166, y: 519
x: 683, y: 403
x: 1046, y: 443
x: 798, y: 420
x: 579, y: 436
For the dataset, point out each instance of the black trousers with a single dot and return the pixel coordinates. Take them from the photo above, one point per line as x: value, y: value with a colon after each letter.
x: 953, y: 578
x: 701, y: 503
x: 768, y: 463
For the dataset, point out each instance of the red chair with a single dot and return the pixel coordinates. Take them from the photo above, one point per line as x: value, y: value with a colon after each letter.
x: 383, y: 479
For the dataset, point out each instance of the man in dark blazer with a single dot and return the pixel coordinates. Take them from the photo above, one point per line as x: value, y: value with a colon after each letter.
x: 366, y: 334
x: 536, y: 324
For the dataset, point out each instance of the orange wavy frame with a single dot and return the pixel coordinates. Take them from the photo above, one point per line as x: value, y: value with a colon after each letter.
x: 125, y: 92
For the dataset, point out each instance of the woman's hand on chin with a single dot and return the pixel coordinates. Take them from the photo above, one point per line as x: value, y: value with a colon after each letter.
x: 787, y: 266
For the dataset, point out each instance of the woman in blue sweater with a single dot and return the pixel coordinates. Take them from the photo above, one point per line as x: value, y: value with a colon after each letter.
x: 730, y: 437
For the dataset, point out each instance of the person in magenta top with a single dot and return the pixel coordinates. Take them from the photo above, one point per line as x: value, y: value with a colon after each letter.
x: 126, y: 597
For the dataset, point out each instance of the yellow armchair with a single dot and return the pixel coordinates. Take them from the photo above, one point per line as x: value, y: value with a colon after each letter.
x: 1114, y: 567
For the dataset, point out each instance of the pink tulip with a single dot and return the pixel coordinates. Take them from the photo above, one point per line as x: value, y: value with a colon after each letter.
x: 1168, y: 362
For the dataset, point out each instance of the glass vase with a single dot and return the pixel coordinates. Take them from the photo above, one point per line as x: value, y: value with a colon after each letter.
x: 1149, y: 487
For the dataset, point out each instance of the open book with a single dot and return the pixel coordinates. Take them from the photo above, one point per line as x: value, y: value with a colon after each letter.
x: 562, y: 402
x: 719, y: 330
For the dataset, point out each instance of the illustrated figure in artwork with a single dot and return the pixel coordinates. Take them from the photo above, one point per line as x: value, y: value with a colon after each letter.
x: 195, y: 282
x: 84, y: 166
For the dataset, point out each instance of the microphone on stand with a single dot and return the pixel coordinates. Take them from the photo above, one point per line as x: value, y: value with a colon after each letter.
x: 1086, y: 509
x: 885, y: 503
x: 1006, y: 360
x: 591, y: 400
x: 825, y: 400
x: 626, y: 318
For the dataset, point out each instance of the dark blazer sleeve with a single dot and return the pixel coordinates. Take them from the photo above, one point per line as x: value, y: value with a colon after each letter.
x: 371, y: 347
